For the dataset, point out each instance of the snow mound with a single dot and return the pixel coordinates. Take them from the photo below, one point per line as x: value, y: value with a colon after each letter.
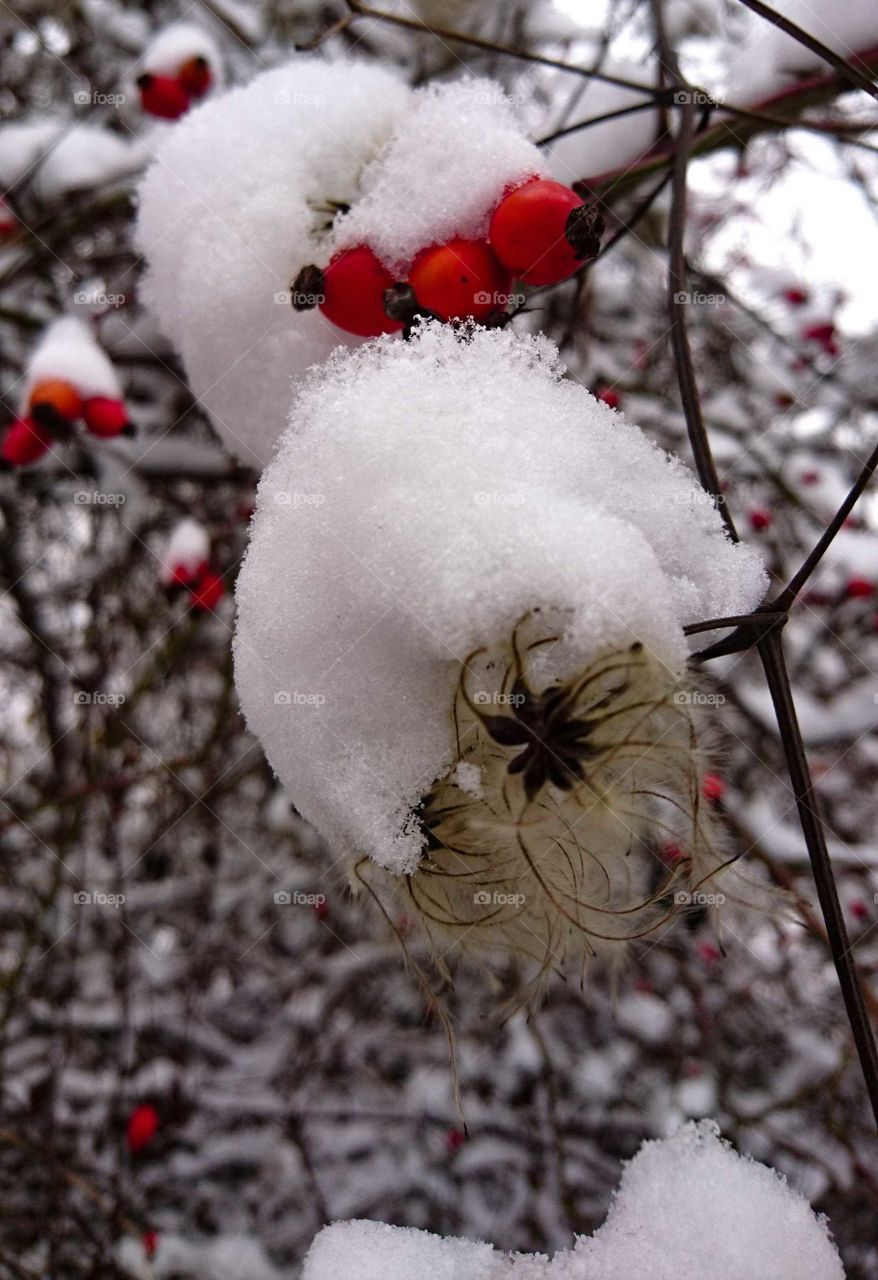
x: 239, y: 198
x: 176, y: 45
x: 68, y: 351
x: 425, y: 497
x: 688, y: 1207
x: 448, y: 164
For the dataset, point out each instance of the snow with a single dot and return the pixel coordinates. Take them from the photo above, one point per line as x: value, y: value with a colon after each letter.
x: 69, y: 352
x: 228, y: 1257
x: 426, y: 496
x: 88, y: 156
x: 22, y: 144
x: 449, y: 161
x: 688, y: 1206
x: 236, y: 202
x: 176, y: 45
x: 187, y: 548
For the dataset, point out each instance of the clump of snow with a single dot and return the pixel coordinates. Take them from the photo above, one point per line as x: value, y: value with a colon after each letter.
x: 22, y: 143
x: 69, y: 352
x: 425, y: 497
x: 86, y: 157
x: 186, y: 550
x: 227, y: 1257
x: 239, y: 199
x: 449, y: 161
x: 176, y: 45
x: 688, y: 1207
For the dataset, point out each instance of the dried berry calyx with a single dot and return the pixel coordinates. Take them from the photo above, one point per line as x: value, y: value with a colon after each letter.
x: 583, y: 229
x: 308, y: 288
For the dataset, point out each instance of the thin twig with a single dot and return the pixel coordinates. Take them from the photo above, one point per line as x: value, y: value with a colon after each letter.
x: 843, y: 67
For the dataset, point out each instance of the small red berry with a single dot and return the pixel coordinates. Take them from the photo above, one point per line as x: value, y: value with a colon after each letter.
x: 150, y: 1243
x: 104, y: 416
x: 670, y: 852
x: 195, y: 76
x: 533, y: 235
x: 713, y: 787
x: 353, y: 293
x: 459, y: 279
x: 24, y: 443
x: 823, y: 334
x: 184, y: 575
x: 143, y: 1124
x: 610, y: 396
x: 708, y: 952
x: 162, y: 96
x: 859, y: 588
x: 207, y: 591
x: 859, y: 910
x: 321, y: 909
x: 810, y: 477
x: 760, y: 519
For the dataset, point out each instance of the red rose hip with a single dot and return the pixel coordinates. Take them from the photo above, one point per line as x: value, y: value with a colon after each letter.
x: 162, y: 96
x: 25, y: 442
x: 539, y: 234
x: 353, y: 293
x: 460, y: 279
x: 104, y: 416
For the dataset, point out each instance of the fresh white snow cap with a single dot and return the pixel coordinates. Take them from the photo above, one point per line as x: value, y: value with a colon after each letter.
x: 688, y: 1207
x: 426, y: 496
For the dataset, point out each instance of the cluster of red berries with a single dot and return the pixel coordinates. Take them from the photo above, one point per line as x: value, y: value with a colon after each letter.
x: 54, y: 406
x: 204, y: 586
x: 168, y: 97
x: 540, y: 233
